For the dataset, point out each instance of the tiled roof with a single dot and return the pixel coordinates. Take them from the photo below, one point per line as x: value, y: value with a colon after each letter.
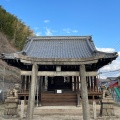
x: 62, y: 47
x: 60, y: 50
x: 59, y: 47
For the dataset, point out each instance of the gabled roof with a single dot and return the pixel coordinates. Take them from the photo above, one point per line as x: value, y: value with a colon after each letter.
x: 62, y: 47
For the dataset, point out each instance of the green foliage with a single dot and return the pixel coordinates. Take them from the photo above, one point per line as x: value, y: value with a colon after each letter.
x: 16, y: 30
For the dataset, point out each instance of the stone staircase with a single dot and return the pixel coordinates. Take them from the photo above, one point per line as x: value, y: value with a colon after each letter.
x: 52, y: 99
x: 58, y: 110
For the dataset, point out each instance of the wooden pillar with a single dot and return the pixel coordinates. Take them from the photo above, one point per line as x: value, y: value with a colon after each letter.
x: 40, y: 89
x: 77, y: 84
x: 96, y: 79
x: 37, y: 90
x: 95, y: 83
x: 74, y: 83
x: 85, y: 104
x: 78, y: 93
x: 70, y: 79
x: 29, y: 81
x: 25, y: 79
x: 25, y: 83
x: 43, y: 83
x: 22, y: 83
x: 88, y: 83
x: 46, y: 83
x: 91, y: 83
x: 31, y: 101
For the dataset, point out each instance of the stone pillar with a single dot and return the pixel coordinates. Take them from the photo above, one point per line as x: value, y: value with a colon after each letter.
x: 84, y: 93
x: 107, y: 108
x: 31, y: 101
x: 94, y: 110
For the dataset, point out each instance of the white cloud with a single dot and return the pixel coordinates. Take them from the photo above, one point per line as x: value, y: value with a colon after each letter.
x: 48, y: 32
x: 119, y: 53
x: 109, y: 50
x: 68, y: 30
x: 39, y: 33
x: 75, y: 31
x: 115, y: 65
x: 46, y: 21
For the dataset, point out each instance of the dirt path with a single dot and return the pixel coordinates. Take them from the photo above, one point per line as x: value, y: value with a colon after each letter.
x: 64, y: 116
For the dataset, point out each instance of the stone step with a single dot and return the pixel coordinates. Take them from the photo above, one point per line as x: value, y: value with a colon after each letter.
x: 59, y: 110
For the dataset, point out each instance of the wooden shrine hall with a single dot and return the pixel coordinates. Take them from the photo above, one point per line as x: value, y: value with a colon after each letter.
x: 59, y: 70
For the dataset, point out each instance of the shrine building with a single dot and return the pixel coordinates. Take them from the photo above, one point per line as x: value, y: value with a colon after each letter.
x: 59, y: 70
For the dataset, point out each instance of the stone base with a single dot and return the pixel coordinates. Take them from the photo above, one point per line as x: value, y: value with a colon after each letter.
x: 108, y: 112
x: 107, y: 107
x: 10, y: 116
x: 10, y: 112
x: 11, y: 107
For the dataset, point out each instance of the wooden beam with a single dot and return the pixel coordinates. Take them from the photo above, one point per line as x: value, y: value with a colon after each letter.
x: 59, y: 62
x: 31, y: 101
x: 84, y: 93
x: 54, y: 73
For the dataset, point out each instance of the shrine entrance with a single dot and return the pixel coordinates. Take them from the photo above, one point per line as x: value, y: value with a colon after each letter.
x: 59, y: 82
x: 58, y: 92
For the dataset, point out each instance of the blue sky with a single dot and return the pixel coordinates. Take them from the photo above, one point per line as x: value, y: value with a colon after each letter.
x: 99, y: 18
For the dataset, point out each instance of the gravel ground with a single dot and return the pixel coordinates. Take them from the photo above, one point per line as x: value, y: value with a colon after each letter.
x: 64, y: 117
